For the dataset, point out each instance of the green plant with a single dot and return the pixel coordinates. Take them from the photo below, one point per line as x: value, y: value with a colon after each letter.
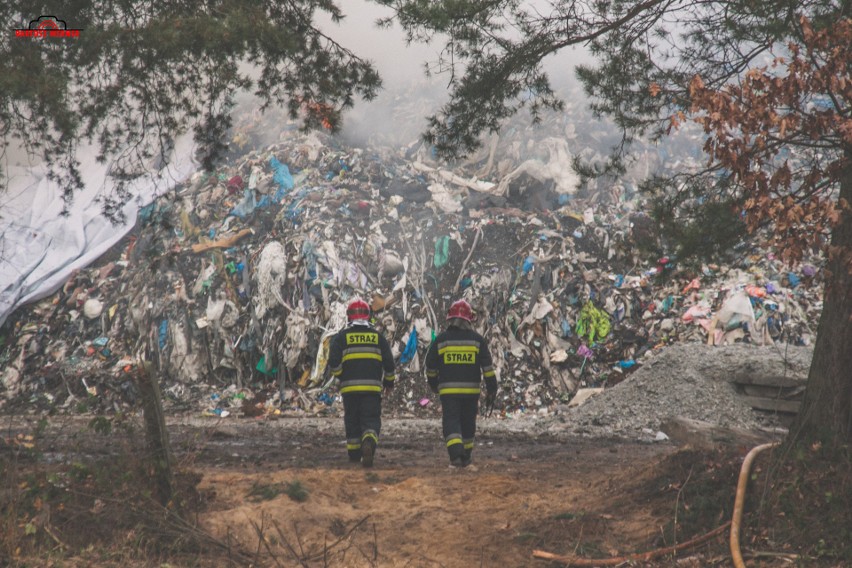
x: 265, y: 491
x: 296, y: 491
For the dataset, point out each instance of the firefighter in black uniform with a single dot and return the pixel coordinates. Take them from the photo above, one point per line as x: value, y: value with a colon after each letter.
x: 456, y: 362
x: 360, y: 357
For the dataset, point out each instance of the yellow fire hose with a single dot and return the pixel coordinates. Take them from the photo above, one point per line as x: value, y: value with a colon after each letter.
x: 740, y: 501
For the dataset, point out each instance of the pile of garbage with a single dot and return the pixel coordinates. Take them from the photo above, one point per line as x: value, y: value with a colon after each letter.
x: 234, y: 284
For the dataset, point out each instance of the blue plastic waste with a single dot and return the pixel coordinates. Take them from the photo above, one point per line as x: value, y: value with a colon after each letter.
x: 792, y: 279
x: 164, y: 333
x: 410, y: 348
x: 246, y: 206
x: 529, y: 262
x: 282, y: 177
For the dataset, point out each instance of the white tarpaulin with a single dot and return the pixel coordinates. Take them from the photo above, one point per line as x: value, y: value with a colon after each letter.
x: 39, y: 248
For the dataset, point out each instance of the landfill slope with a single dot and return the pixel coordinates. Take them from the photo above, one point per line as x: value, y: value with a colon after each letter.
x: 233, y: 285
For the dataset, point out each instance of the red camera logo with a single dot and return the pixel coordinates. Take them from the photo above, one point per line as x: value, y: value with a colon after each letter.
x: 47, y: 26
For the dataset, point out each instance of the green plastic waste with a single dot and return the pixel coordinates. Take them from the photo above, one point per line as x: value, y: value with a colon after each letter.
x: 442, y: 251
x: 261, y: 366
x: 592, y: 323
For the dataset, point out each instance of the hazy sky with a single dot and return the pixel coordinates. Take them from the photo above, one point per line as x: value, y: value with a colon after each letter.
x: 399, y: 63
x: 385, y: 47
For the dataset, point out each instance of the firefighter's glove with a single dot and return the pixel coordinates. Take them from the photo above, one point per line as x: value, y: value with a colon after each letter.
x: 490, y: 397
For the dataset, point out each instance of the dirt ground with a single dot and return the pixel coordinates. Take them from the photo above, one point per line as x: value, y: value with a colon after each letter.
x: 411, y: 509
x: 281, y: 492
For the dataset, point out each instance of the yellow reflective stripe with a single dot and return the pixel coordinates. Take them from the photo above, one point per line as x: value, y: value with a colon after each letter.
x: 489, y: 374
x: 453, y: 442
x: 353, y: 446
x: 362, y: 356
x: 361, y: 388
x: 468, y: 446
x: 458, y: 391
x: 370, y: 435
x: 337, y: 372
x: 458, y: 349
x: 431, y: 373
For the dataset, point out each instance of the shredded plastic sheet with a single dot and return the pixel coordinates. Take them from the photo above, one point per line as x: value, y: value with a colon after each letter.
x: 557, y: 169
x: 271, y: 277
x: 445, y: 199
x: 41, y: 248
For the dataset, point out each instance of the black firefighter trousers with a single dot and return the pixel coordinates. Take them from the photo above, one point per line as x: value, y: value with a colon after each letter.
x: 459, y: 424
x: 362, y: 418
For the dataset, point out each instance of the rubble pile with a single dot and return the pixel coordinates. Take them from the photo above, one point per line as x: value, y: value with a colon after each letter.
x: 689, y: 380
x: 234, y: 284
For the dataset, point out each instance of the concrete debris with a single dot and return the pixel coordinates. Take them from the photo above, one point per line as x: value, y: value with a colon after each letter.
x: 233, y: 290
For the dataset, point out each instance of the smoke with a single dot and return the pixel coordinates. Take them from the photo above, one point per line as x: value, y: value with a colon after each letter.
x: 397, y: 116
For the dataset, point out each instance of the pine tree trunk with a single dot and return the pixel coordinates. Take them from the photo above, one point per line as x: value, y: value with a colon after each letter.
x: 156, y: 435
x: 826, y: 412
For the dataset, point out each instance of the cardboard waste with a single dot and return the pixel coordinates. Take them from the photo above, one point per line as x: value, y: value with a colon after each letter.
x: 235, y: 283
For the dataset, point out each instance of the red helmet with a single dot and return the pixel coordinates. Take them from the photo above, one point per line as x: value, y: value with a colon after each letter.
x: 460, y: 309
x: 358, y: 310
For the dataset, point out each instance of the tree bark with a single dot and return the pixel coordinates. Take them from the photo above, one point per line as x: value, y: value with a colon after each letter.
x: 826, y: 412
x: 156, y: 435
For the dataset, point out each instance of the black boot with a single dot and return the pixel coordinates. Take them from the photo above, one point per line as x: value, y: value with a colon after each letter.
x: 368, y: 451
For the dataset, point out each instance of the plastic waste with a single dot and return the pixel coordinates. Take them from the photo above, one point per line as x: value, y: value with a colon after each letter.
x: 793, y: 279
x: 246, y: 206
x: 261, y: 366
x: 282, y: 177
x: 442, y: 251
x: 410, y: 348
x: 93, y: 308
x: 593, y: 323
x: 163, y: 333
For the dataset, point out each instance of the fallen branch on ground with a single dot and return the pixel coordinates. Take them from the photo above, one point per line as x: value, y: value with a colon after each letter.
x: 640, y: 556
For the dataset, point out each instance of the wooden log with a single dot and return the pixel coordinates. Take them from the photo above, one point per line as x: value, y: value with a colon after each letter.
x: 773, y: 404
x: 769, y: 380
x: 704, y: 435
x: 792, y: 393
x: 226, y: 242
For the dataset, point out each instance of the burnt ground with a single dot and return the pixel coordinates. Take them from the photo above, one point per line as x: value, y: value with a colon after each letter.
x: 280, y: 492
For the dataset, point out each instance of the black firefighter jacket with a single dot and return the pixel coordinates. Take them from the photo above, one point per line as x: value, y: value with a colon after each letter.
x: 457, y: 361
x: 360, y: 357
